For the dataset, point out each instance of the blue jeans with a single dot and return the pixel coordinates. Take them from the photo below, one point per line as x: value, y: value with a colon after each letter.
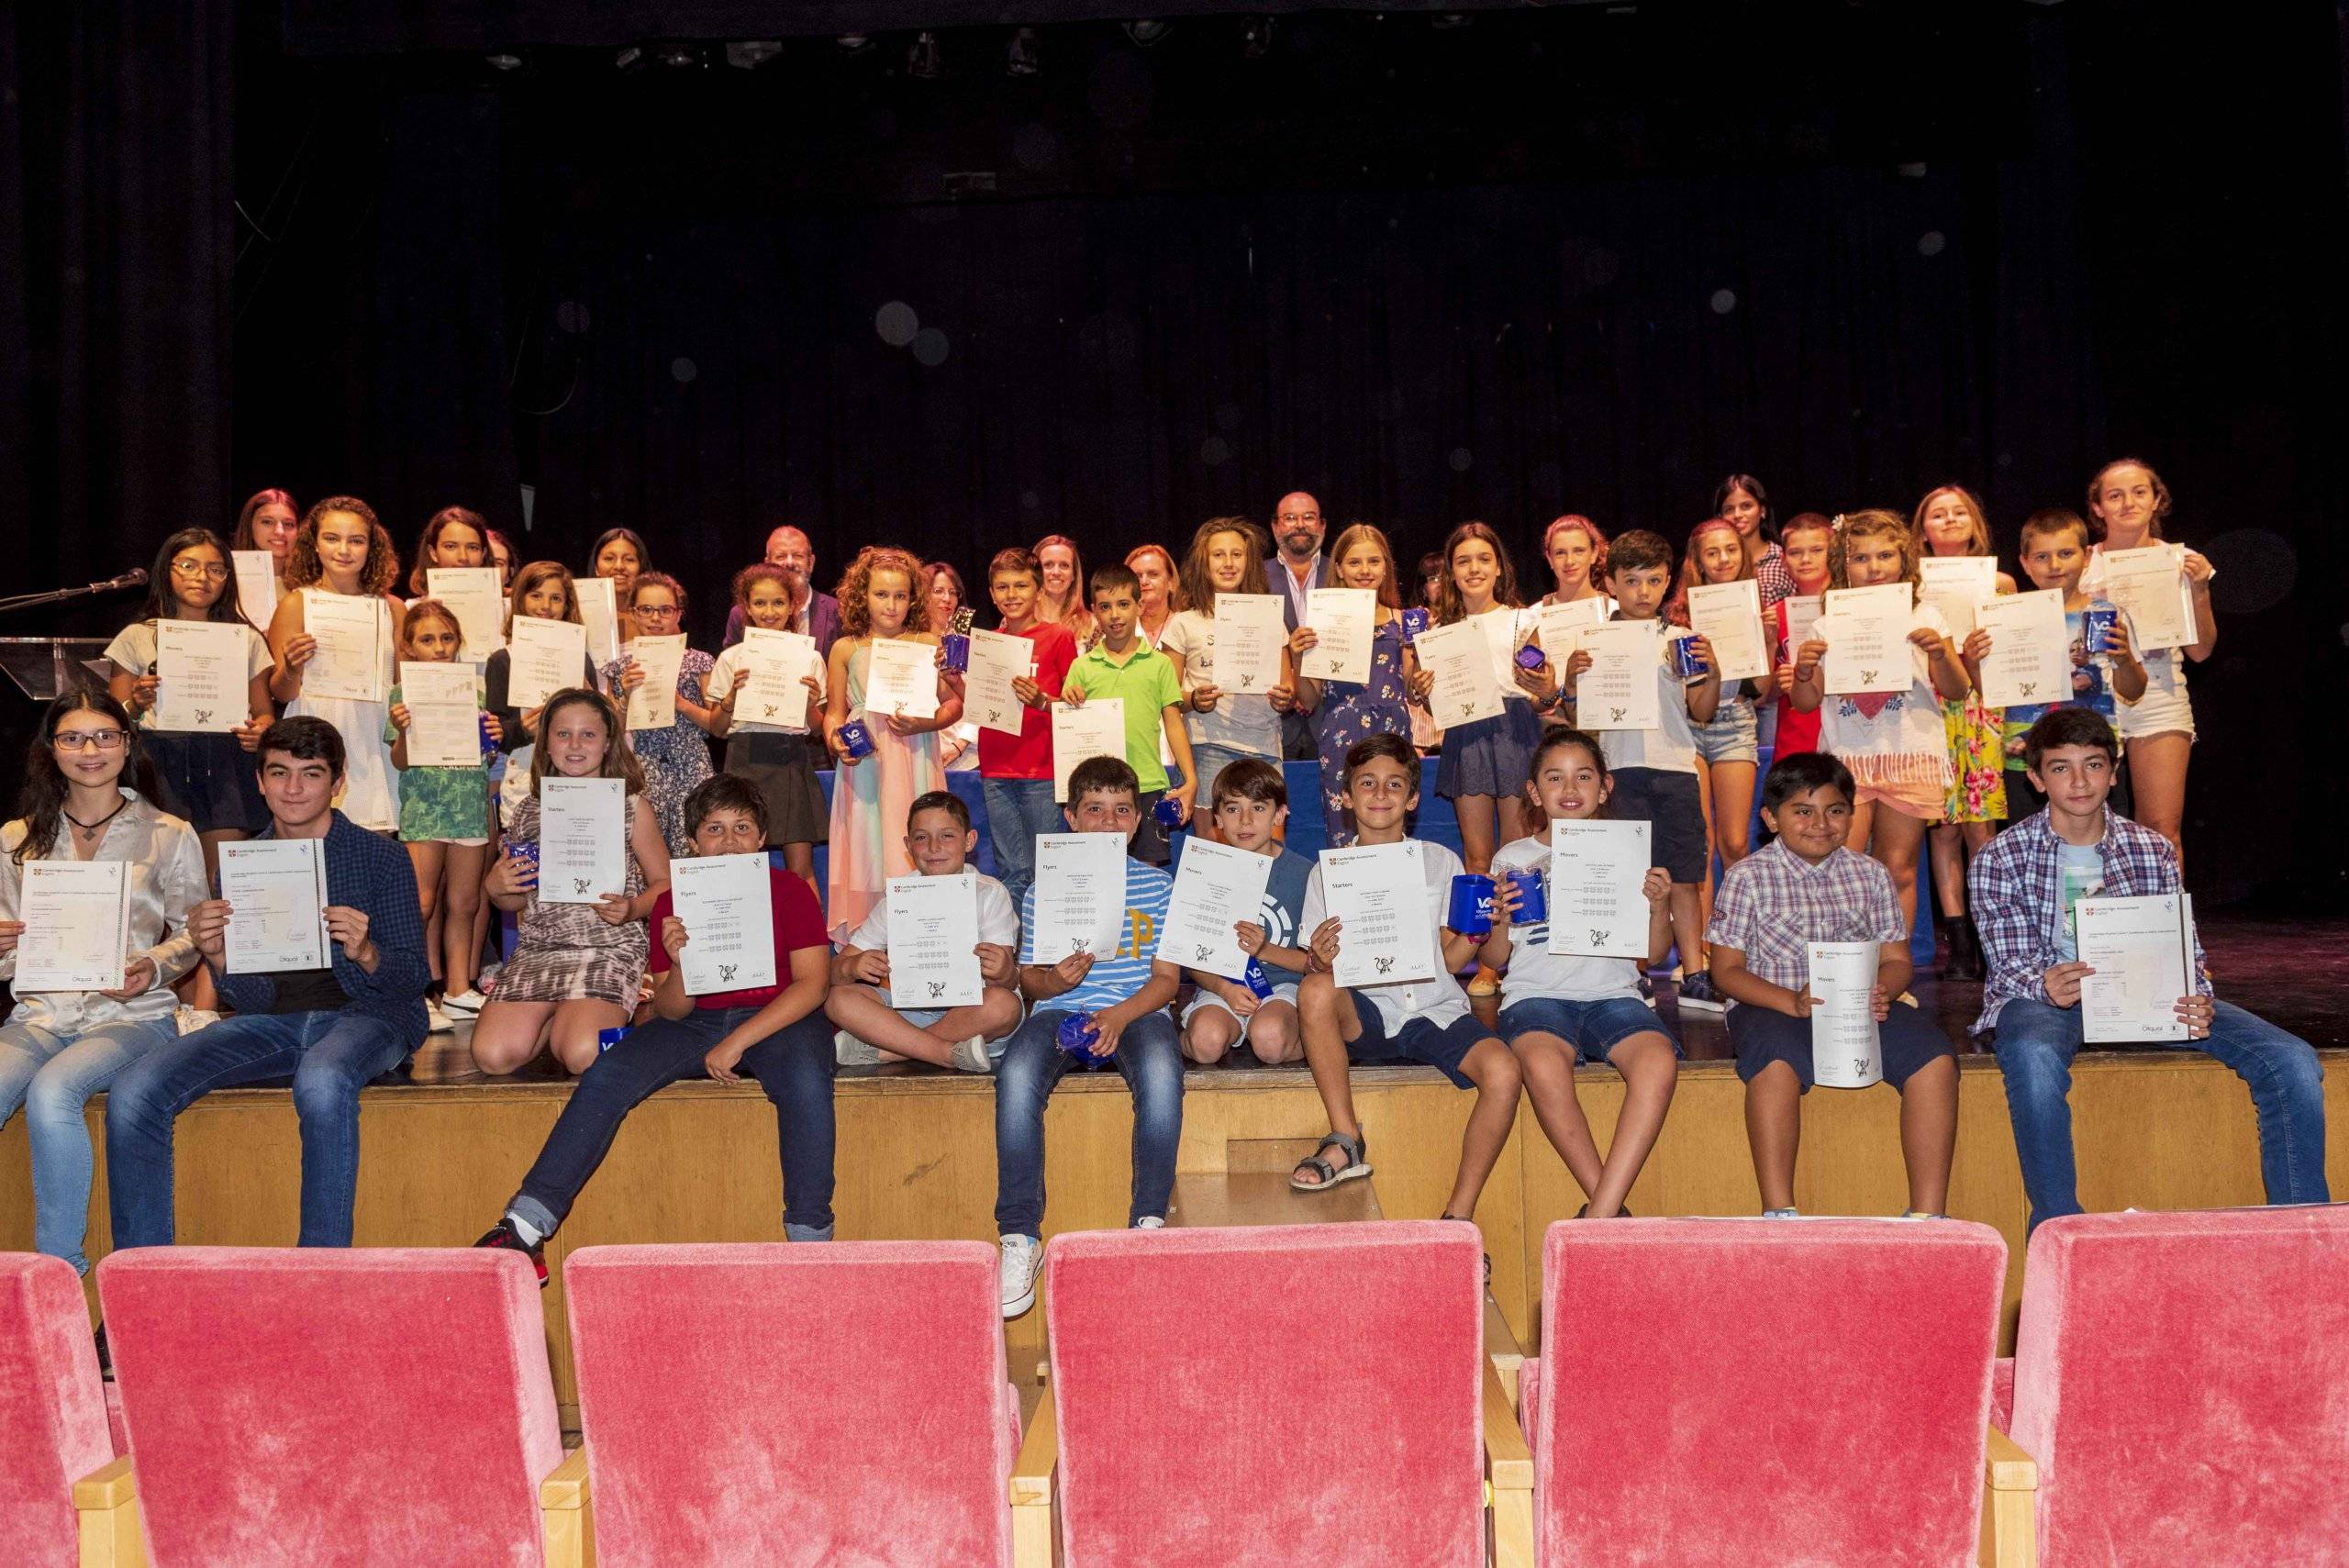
x: 53, y: 1077
x: 2037, y: 1040
x: 1151, y: 1063
x: 330, y: 1056
x: 793, y: 1065
x: 1018, y: 809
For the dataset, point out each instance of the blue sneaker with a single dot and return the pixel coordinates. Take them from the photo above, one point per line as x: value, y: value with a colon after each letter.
x: 1697, y: 990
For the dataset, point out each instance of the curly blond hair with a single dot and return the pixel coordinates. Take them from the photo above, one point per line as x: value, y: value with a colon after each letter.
x: 856, y: 614
x: 1873, y: 523
x: 382, y: 557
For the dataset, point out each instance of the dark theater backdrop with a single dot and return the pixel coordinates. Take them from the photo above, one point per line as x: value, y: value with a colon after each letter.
x: 1496, y: 263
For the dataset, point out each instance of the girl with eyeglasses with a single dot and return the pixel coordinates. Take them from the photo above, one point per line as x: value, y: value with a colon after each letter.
x: 677, y: 759
x: 89, y: 794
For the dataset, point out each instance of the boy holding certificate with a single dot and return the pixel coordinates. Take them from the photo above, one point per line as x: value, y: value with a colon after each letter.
x: 1122, y: 665
x: 332, y: 1028
x: 2026, y: 886
x: 1111, y: 1008
x: 871, y: 1002
x: 2105, y: 667
x: 1804, y: 887
x: 1250, y: 804
x: 1425, y: 1018
x: 1015, y: 766
x: 777, y: 1033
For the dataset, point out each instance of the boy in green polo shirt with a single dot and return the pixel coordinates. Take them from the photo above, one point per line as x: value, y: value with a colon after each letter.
x: 1122, y: 665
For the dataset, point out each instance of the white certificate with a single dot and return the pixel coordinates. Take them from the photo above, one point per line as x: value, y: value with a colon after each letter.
x: 472, y: 594
x: 1803, y: 611
x: 77, y: 925
x: 599, y: 612
x: 276, y: 893
x: 901, y: 677
x: 1378, y: 894
x: 1598, y: 908
x: 1216, y: 887
x: 654, y: 704
x: 2031, y: 652
x: 583, y: 838
x: 1461, y: 662
x: 1618, y: 689
x: 1561, y: 625
x: 204, y: 683
x: 1866, y: 632
x: 1097, y: 728
x: 443, y: 715
x: 997, y: 658
x: 1955, y: 585
x: 1344, y: 623
x: 1846, y: 1052
x: 727, y: 907
x: 1729, y: 614
x: 1505, y: 632
x: 777, y: 662
x: 545, y: 657
x: 1250, y: 632
x: 353, y: 639
x: 256, y: 572
x: 934, y: 940
x: 1080, y: 896
x: 2140, y: 951
x: 2149, y: 584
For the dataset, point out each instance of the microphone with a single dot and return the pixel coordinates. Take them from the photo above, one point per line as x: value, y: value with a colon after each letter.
x: 134, y: 578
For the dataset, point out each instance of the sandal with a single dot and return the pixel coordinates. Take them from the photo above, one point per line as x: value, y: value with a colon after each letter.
x: 1331, y: 1176
x: 1468, y: 1219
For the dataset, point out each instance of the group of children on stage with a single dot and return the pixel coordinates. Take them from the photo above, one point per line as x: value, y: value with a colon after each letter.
x: 1869, y: 772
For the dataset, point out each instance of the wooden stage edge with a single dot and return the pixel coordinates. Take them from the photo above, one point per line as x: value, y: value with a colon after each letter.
x: 916, y: 1159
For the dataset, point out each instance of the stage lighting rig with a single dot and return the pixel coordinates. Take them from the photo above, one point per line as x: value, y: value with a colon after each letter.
x: 925, y: 61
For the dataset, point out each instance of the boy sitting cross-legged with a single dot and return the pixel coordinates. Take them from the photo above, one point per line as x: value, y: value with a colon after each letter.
x: 1124, y: 996
x: 939, y: 836
x: 1804, y: 887
x: 1250, y: 803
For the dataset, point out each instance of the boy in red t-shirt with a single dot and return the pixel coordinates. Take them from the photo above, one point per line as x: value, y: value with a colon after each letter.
x: 778, y: 1032
x: 1015, y: 770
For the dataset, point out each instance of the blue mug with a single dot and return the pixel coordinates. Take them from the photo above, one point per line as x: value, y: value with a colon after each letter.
x: 1415, y: 621
x: 1256, y: 980
x: 1530, y: 658
x: 958, y: 650
x: 1076, y: 1036
x: 856, y: 740
x: 2096, y: 625
x: 1532, y: 898
x: 606, y: 1038
x: 1472, y: 904
x: 524, y: 853
x: 488, y: 746
x: 1684, y: 662
x: 1168, y: 811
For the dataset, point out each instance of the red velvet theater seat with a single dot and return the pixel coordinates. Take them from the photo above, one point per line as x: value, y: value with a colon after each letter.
x: 1294, y: 1395
x: 1729, y: 1392
x: 52, y: 1409
x: 2183, y: 1380
x: 331, y: 1409
x: 753, y: 1406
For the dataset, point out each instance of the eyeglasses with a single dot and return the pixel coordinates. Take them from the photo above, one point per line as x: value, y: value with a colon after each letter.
x: 213, y: 573
x: 83, y: 739
x: 653, y: 612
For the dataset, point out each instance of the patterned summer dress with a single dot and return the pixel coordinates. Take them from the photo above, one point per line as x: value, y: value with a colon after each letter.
x: 869, y: 805
x: 1977, y: 761
x: 1351, y: 713
x: 567, y: 951
x: 676, y: 759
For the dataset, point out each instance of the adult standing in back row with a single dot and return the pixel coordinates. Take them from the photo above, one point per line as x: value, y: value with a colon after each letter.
x: 1294, y: 568
x: 813, y: 614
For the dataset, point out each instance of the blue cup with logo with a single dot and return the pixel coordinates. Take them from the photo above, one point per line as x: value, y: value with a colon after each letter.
x: 957, y: 647
x: 1684, y: 660
x: 606, y: 1038
x: 1257, y: 982
x: 524, y: 854
x: 1168, y: 811
x: 488, y: 746
x: 1532, y: 897
x: 1415, y: 621
x: 1530, y: 658
x: 856, y: 740
x: 1472, y: 904
x: 1077, y: 1035
x: 2096, y: 625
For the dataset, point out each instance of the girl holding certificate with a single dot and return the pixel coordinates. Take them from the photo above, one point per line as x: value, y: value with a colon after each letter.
x: 1729, y: 743
x: 342, y: 577
x: 578, y: 969
x: 1344, y: 713
x: 1225, y: 557
x: 88, y: 797
x: 2130, y: 502
x: 1577, y: 552
x: 1892, y: 741
x: 778, y: 756
x: 444, y: 814
x: 268, y: 521
x: 676, y: 759
x: 876, y: 783
x: 1950, y: 522
x: 620, y: 555
x: 203, y: 775
x: 452, y: 537
x: 1805, y: 543
x: 1062, y: 600
x: 1741, y: 502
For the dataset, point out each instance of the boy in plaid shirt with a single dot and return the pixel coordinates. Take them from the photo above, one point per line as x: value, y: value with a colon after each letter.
x: 1806, y: 887
x: 2024, y: 887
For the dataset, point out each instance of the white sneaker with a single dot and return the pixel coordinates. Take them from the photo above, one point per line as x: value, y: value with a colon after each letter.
x: 1021, y: 1255
x: 849, y: 1051
x: 187, y: 1020
x: 464, y: 1004
x: 1151, y: 1222
x: 435, y: 1021
x: 970, y: 1055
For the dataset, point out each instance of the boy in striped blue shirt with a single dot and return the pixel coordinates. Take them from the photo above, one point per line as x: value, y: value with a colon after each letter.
x: 1124, y: 995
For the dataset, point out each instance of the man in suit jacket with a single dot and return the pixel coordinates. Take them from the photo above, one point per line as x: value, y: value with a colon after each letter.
x: 812, y: 614
x: 1296, y: 569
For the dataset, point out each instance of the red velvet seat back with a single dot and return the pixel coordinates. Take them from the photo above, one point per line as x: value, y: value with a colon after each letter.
x: 1302, y: 1393
x: 325, y: 1407
x: 1724, y: 1393
x: 2183, y: 1380
x: 753, y: 1406
x: 52, y: 1409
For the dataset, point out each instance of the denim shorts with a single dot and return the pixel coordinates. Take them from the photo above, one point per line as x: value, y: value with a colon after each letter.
x: 1419, y: 1039
x: 1909, y: 1041
x: 1592, y: 1028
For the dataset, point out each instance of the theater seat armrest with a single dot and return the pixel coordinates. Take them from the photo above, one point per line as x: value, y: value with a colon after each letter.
x: 1034, y: 1541
x: 566, y: 1521
x: 106, y: 1503
x: 1509, y: 1477
x: 2009, y: 1506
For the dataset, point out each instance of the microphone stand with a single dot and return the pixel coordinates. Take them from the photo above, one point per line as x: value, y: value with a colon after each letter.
x: 132, y: 579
